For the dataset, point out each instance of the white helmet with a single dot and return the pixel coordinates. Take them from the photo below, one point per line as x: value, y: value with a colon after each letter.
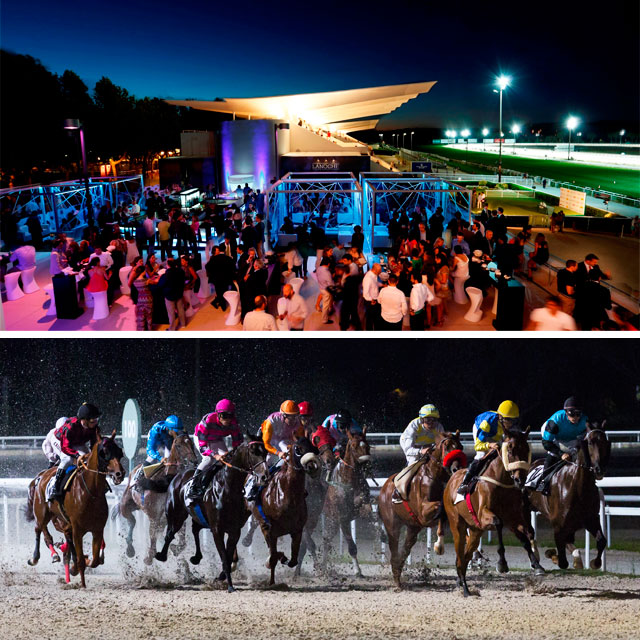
x: 429, y: 411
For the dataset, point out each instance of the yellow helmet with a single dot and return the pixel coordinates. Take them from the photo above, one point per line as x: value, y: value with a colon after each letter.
x: 509, y: 409
x: 289, y: 407
x: 429, y: 411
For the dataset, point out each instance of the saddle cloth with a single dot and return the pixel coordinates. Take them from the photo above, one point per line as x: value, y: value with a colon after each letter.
x: 533, y: 477
x: 150, y: 469
x: 70, y: 473
x: 215, y: 488
x: 403, y: 479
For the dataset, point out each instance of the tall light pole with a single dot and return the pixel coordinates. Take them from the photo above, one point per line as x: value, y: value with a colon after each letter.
x: 485, y: 133
x: 516, y: 130
x: 403, y: 135
x: 412, y: 140
x: 622, y: 132
x: 572, y: 123
x: 72, y: 124
x: 465, y: 133
x: 381, y: 140
x: 503, y: 83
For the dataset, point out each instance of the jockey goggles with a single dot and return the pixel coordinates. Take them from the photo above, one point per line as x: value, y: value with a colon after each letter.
x: 225, y: 415
x: 573, y: 413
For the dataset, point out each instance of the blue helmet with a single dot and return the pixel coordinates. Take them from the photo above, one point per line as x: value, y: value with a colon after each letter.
x: 173, y: 422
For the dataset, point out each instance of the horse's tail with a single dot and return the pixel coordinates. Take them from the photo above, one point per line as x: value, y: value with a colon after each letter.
x: 27, y: 508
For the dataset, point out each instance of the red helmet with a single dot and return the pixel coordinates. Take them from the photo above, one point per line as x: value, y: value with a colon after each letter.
x: 305, y: 408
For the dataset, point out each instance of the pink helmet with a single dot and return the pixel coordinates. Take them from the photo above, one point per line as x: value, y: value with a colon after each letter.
x: 225, y: 406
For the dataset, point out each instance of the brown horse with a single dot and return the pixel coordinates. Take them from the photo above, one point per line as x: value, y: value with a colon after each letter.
x: 346, y: 497
x: 248, y: 458
x: 424, y: 506
x: 497, y: 501
x: 84, y: 507
x: 151, y: 499
x: 574, y: 502
x: 281, y: 509
x: 316, y: 493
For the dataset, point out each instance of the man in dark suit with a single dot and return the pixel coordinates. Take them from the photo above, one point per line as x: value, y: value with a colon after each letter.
x: 221, y: 270
x: 589, y: 270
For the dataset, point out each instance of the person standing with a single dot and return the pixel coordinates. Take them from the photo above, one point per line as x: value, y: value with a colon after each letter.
x: 164, y: 237
x: 370, y: 291
x: 296, y: 309
x: 171, y: 284
x: 550, y: 317
x: 259, y: 319
x: 418, y: 299
x: 566, y: 282
x: 393, y: 306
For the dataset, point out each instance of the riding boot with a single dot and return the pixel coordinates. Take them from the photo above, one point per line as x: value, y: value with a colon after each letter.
x: 57, y: 486
x: 544, y: 484
x: 198, y: 485
x: 396, y: 498
x: 472, y: 472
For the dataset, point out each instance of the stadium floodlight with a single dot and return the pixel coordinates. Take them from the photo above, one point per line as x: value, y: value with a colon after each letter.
x: 622, y: 132
x: 516, y: 128
x: 485, y: 132
x: 503, y: 82
x: 454, y: 133
x: 412, y: 140
x: 572, y: 123
x: 465, y: 133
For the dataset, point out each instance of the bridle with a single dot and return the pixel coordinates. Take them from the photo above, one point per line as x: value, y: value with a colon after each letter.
x: 252, y: 468
x: 518, y: 464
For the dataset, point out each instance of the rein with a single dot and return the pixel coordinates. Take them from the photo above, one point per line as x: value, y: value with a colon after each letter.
x: 233, y: 466
x: 513, y: 466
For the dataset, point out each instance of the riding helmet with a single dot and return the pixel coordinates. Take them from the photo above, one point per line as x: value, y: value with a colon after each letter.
x: 305, y: 408
x: 509, y: 409
x: 88, y: 411
x: 289, y: 408
x: 429, y: 411
x: 173, y: 422
x: 343, y: 417
x: 225, y: 406
x: 572, y: 403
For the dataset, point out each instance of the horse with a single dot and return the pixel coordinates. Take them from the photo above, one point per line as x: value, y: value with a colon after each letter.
x: 574, y: 501
x: 281, y: 509
x: 424, y: 506
x: 316, y: 494
x: 496, y: 501
x: 248, y: 458
x: 345, y: 499
x: 151, y: 498
x: 84, y: 506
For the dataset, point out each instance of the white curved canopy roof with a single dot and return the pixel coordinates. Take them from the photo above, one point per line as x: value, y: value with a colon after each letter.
x: 317, y: 108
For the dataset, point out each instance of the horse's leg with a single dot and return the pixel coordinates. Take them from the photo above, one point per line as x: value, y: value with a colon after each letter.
x: 296, y: 539
x: 438, y: 547
x: 154, y: 525
x: 33, y: 561
x: 248, y: 539
x: 460, y: 542
x: 409, y: 541
x: 232, y: 556
x: 594, y: 528
x: 127, y: 507
x: 272, y: 541
x: 80, y: 557
x: 522, y: 534
x: 345, y: 525
x: 181, y: 542
x: 331, y: 527
x: 195, y: 528
x: 218, y: 538
x: 394, y: 528
x: 175, y: 520
x: 48, y: 539
x: 305, y: 543
x: 502, y: 567
x: 561, y: 547
x: 96, y: 548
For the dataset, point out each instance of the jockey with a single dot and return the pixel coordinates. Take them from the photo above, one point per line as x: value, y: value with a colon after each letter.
x: 73, y: 437
x: 51, y: 445
x: 488, y: 433
x: 418, y: 437
x: 338, y: 424
x: 211, y: 432
x: 159, y: 440
x: 322, y: 436
x: 306, y: 417
x: 278, y: 432
x: 561, y: 437
x: 420, y: 433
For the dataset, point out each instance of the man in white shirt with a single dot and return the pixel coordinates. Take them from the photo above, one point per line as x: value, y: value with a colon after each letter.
x: 105, y: 258
x: 419, y: 297
x: 393, y: 306
x: 135, y: 208
x: 551, y: 318
x: 370, y: 290
x: 25, y: 256
x: 296, y: 310
x: 325, y: 280
x: 259, y: 319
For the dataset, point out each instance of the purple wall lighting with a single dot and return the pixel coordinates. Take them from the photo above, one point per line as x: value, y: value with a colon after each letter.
x: 248, y: 153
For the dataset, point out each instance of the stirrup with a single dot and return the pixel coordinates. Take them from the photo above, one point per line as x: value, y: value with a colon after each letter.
x: 463, y: 489
x: 396, y: 498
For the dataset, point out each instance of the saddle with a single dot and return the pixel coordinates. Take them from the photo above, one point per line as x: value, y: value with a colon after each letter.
x: 70, y: 473
x: 402, y: 480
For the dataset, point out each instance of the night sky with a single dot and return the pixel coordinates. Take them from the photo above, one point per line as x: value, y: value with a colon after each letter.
x: 565, y: 57
x: 383, y: 382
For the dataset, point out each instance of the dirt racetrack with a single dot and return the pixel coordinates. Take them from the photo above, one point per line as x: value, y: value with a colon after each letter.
x: 513, y: 606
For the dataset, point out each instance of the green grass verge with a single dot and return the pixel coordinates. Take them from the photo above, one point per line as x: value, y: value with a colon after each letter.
x: 624, y: 181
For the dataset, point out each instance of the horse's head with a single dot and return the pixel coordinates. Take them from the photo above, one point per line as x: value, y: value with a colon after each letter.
x: 183, y: 451
x: 358, y: 451
x: 327, y: 457
x: 304, y: 456
x: 109, y: 456
x: 448, y: 449
x: 516, y: 455
x: 252, y: 456
x: 598, y: 448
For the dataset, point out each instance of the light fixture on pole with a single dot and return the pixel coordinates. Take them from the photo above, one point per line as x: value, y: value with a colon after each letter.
x: 485, y: 133
x: 622, y: 132
x: 381, y: 140
x: 73, y: 124
x: 404, y: 133
x: 572, y: 123
x: 516, y: 130
x: 503, y: 83
x: 412, y: 140
x: 465, y: 133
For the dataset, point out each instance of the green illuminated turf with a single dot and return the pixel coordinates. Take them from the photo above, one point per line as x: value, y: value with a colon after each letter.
x: 624, y: 181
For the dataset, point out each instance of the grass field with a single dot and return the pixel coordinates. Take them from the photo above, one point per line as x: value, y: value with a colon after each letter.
x: 624, y: 181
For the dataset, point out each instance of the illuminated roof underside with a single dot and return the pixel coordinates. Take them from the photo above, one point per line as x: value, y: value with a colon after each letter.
x: 342, y: 108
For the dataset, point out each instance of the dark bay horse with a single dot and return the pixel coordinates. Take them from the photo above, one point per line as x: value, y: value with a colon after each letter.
x: 316, y: 494
x: 151, y: 499
x: 345, y: 500
x: 574, y: 502
x: 283, y: 503
x: 497, y: 501
x: 425, y: 500
x: 84, y: 507
x: 248, y: 458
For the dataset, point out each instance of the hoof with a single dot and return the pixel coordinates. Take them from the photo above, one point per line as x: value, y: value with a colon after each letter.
x: 577, y: 563
x: 230, y: 589
x: 562, y: 565
x: 539, y: 571
x: 292, y: 563
x: 550, y: 553
x: 195, y: 559
x: 234, y: 566
x: 398, y: 589
x: 222, y: 576
x: 246, y: 541
x: 283, y: 559
x: 439, y: 549
x: 595, y: 563
x: 502, y: 567
x: 33, y: 562
x: 162, y: 557
x: 148, y: 560
x: 131, y: 552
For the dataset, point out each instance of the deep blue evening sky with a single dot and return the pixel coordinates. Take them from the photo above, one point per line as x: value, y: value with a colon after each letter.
x: 564, y: 57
